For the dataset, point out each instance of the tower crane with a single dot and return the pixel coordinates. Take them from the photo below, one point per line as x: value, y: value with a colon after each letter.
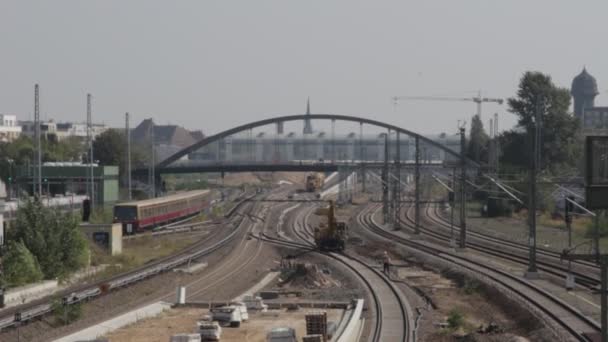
x: 477, y: 99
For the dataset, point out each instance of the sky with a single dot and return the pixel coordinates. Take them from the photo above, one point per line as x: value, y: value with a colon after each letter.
x: 212, y: 65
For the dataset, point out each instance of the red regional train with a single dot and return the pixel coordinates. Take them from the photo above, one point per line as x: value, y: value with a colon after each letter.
x: 138, y: 216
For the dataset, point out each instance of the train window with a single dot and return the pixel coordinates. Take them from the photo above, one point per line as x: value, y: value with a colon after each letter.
x: 125, y: 213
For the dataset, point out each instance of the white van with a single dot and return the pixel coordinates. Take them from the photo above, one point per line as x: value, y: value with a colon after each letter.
x: 227, y: 314
x: 243, y: 308
x: 255, y: 303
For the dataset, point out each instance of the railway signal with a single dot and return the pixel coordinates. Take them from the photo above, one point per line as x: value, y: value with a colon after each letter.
x: 569, y: 208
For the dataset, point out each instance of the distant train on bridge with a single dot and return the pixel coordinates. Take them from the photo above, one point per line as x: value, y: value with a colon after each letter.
x: 137, y: 216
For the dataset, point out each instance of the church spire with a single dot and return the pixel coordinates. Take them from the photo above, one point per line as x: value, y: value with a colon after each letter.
x: 308, y: 106
x: 307, y: 124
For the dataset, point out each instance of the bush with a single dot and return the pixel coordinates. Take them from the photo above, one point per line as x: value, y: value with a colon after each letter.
x: 603, y: 227
x: 455, y: 319
x: 470, y: 286
x: 66, y: 314
x: 498, y: 207
x: 20, y: 266
x: 53, y: 238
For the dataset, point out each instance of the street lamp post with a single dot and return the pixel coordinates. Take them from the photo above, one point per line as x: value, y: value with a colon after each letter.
x: 9, y: 186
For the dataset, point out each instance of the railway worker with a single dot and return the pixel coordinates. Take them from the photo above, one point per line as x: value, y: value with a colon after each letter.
x: 387, y: 262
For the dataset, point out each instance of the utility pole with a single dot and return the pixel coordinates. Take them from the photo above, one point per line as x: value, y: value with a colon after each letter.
x: 128, y: 134
x: 385, y: 204
x: 491, y: 145
x: 452, y: 205
x: 463, y: 192
x: 568, y: 207
x: 417, y: 187
x: 91, y: 159
x: 534, y: 134
x: 496, y: 145
x: 38, y: 173
x: 152, y: 171
x: 397, y: 194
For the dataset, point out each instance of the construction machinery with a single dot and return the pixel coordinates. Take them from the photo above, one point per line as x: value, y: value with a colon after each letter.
x: 477, y: 99
x: 330, y: 236
x: 314, y: 181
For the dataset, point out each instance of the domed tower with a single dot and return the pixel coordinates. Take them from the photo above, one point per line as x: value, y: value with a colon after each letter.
x: 584, y: 91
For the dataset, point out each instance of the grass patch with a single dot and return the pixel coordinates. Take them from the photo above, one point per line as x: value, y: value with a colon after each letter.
x: 455, y: 319
x: 471, y: 286
x: 137, y: 252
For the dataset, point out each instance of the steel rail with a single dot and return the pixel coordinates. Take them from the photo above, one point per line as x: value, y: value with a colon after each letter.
x: 505, y: 279
x: 305, y: 235
x: 550, y: 267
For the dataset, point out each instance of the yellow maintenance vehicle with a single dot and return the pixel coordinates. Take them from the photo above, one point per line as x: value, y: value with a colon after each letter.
x: 330, y: 237
x: 314, y: 181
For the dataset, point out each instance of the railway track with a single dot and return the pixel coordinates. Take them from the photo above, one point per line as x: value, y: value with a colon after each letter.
x: 547, y: 262
x: 555, y: 311
x: 25, y: 313
x: 440, y: 219
x: 393, y: 315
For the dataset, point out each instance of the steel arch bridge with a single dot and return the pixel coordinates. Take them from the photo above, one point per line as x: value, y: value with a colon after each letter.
x: 165, y: 166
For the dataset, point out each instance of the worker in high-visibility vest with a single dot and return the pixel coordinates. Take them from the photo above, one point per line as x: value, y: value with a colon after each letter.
x: 387, y: 262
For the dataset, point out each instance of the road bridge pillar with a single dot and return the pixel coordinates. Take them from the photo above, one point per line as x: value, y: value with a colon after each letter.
x: 350, y: 150
x: 229, y: 149
x: 289, y: 154
x: 381, y: 148
x: 320, y: 148
x: 259, y: 150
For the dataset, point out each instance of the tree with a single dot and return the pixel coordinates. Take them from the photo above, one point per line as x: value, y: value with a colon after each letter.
x: 110, y: 148
x: 19, y: 266
x: 53, y: 238
x: 561, y: 145
x: 478, y: 141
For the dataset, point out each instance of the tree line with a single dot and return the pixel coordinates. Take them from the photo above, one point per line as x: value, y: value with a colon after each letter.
x: 109, y: 148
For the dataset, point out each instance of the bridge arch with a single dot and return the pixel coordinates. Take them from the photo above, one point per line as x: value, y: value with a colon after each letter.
x: 334, y: 117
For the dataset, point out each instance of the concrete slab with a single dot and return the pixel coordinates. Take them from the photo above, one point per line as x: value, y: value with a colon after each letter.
x: 257, y: 287
x: 191, y: 268
x: 117, y: 322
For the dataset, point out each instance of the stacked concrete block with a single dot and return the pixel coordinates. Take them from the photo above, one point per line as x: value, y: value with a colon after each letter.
x: 316, y: 324
x: 313, y: 338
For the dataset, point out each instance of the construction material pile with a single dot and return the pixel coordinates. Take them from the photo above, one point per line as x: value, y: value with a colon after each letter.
x: 309, y: 276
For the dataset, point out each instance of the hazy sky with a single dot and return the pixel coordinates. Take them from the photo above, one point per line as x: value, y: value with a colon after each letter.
x: 211, y: 65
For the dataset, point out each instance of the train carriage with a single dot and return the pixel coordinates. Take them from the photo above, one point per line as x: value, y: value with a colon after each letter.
x: 138, y: 216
